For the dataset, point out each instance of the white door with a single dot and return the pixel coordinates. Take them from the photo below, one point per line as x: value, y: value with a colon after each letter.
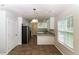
x: 12, y: 33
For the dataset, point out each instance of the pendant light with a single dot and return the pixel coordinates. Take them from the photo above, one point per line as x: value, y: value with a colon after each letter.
x: 34, y: 20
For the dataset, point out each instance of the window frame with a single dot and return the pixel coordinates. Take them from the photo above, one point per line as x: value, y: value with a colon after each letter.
x: 65, y: 33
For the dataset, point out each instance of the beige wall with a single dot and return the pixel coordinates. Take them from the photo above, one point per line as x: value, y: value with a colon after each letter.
x: 74, y: 11
x: 34, y: 28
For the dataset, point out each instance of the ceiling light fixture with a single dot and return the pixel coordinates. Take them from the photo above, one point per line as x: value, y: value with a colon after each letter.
x: 34, y: 20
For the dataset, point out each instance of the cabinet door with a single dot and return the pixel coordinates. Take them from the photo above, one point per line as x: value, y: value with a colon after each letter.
x: 52, y: 23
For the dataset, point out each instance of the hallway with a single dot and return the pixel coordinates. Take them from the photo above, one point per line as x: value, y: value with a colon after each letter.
x: 32, y: 49
x: 18, y: 22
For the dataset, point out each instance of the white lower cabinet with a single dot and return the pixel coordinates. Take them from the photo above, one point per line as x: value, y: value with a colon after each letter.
x: 45, y: 40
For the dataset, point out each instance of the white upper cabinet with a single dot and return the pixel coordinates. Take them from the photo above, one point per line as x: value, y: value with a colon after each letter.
x: 51, y: 23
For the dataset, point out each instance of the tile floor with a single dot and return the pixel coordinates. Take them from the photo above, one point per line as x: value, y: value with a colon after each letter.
x: 33, y: 49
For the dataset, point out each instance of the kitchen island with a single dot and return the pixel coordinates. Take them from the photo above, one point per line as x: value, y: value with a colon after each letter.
x: 45, y: 38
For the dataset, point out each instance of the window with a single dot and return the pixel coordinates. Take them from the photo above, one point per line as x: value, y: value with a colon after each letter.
x: 65, y: 31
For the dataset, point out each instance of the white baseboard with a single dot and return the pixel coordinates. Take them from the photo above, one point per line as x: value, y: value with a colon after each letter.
x: 59, y: 50
x: 7, y: 51
x: 4, y: 53
x: 45, y: 44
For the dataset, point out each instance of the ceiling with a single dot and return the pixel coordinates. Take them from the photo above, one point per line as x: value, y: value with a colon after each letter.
x: 43, y: 11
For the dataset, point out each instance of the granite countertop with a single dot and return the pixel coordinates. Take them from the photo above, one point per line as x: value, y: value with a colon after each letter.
x: 50, y: 32
x: 46, y: 34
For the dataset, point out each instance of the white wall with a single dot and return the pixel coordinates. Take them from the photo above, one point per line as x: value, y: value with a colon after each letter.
x: 8, y: 34
x: 74, y: 11
x: 2, y: 32
x: 25, y: 22
x: 20, y: 19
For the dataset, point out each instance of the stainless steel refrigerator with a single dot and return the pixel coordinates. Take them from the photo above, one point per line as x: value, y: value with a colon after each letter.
x: 26, y: 34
